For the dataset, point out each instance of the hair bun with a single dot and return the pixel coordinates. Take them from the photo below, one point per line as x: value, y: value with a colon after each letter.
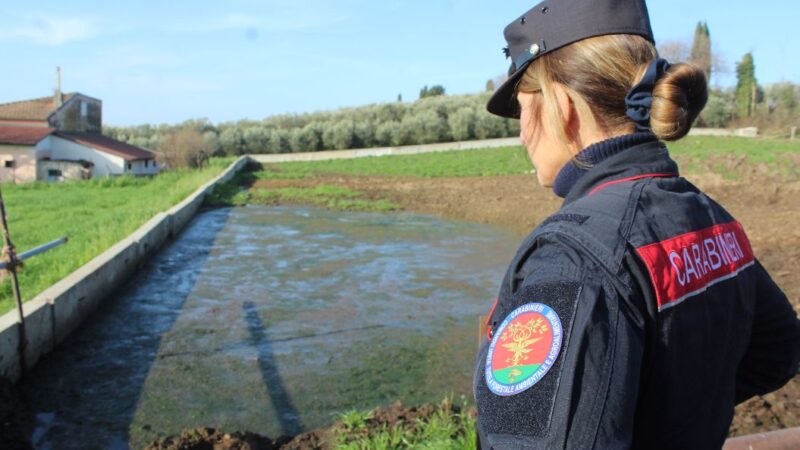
x: 678, y: 98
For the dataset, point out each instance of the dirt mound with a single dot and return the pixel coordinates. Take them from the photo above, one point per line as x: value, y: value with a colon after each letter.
x: 211, y: 439
x: 16, y: 421
x: 395, y: 415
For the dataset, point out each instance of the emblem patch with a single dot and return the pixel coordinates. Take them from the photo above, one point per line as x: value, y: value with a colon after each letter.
x: 523, y: 349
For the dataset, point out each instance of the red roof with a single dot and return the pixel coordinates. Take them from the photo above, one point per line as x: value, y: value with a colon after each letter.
x: 108, y: 145
x: 23, y: 135
x: 36, y: 109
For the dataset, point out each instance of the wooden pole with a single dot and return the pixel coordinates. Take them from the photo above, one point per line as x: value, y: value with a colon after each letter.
x: 11, y: 266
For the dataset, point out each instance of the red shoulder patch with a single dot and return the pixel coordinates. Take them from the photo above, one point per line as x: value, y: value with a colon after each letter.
x: 686, y: 265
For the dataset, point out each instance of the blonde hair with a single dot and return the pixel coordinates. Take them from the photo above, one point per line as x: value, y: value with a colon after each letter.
x: 597, y: 74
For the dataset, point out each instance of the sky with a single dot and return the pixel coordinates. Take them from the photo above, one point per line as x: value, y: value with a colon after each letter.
x: 169, y: 61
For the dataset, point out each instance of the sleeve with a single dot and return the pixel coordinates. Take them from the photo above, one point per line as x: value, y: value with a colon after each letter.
x: 773, y: 355
x: 577, y: 386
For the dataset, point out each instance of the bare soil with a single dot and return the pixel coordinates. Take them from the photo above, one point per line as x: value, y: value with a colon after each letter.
x: 768, y: 208
x: 397, y: 414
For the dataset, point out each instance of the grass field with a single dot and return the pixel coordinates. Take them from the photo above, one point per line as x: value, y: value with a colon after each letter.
x: 729, y: 157
x: 94, y: 214
x: 513, y: 160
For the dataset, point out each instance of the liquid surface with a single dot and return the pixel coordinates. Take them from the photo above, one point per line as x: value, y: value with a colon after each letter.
x: 274, y: 320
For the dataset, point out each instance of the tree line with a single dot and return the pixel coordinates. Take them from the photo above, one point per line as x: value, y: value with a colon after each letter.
x: 433, y: 118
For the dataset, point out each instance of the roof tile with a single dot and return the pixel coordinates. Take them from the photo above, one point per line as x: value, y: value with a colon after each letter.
x: 35, y: 109
x: 23, y: 135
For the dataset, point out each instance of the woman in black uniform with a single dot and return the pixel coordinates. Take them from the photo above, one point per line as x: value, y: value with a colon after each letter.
x: 637, y: 315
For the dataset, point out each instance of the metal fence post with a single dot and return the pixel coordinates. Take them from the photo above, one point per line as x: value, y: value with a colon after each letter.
x: 9, y: 254
x: 9, y: 262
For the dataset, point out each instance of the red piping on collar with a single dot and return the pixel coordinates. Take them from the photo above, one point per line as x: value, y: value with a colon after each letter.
x: 637, y: 177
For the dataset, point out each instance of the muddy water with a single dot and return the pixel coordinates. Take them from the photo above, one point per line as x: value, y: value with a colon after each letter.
x: 274, y: 320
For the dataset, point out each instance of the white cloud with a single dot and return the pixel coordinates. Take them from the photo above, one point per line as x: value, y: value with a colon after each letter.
x: 50, y: 31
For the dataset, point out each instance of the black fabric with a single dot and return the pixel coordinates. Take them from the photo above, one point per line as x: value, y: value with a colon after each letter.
x: 594, y: 154
x: 630, y: 376
x: 640, y: 98
x: 528, y: 413
x: 553, y: 24
x: 772, y: 358
x: 576, y: 218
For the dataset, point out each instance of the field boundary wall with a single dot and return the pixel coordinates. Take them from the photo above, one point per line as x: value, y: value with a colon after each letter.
x: 54, y: 314
x: 385, y: 151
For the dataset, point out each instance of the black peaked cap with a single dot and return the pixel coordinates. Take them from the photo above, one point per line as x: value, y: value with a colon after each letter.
x: 553, y: 24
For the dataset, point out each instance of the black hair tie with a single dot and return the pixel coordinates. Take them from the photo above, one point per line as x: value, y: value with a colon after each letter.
x: 640, y: 98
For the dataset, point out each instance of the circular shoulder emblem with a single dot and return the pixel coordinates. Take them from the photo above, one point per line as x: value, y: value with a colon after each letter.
x: 524, y: 348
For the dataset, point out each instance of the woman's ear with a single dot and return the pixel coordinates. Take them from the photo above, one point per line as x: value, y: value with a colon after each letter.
x: 571, y: 120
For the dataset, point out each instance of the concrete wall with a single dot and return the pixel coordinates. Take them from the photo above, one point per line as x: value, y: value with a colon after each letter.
x: 740, y: 132
x: 69, y: 170
x: 24, y: 159
x: 386, y: 151
x: 55, y: 313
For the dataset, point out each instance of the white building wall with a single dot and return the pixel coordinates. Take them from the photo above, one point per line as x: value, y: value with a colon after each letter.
x: 104, y: 163
x: 138, y: 167
x: 23, y: 158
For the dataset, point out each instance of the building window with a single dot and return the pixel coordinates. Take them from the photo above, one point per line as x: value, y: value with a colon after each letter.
x: 84, y: 109
x: 9, y: 164
x: 54, y: 173
x: 130, y: 166
x: 146, y: 162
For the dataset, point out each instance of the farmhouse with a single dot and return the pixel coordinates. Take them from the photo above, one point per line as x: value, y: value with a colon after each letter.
x: 59, y: 138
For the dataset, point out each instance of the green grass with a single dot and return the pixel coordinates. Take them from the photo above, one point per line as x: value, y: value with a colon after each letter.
x: 694, y: 154
x: 238, y: 192
x: 93, y: 214
x: 327, y: 196
x: 445, y: 429
x: 733, y: 157
x: 466, y: 163
x: 757, y: 150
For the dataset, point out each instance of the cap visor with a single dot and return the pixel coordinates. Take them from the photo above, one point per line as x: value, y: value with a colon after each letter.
x: 503, y: 102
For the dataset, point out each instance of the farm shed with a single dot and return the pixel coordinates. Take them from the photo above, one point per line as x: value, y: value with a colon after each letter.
x: 58, y: 138
x: 109, y: 156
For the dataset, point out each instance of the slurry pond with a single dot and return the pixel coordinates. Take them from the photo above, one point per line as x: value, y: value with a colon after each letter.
x: 274, y: 320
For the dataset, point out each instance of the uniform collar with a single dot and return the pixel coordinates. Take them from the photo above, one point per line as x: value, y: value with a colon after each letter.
x: 592, y: 155
x: 629, y: 157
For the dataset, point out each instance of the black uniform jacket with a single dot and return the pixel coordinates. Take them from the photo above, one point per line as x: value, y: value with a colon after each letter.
x: 654, y: 320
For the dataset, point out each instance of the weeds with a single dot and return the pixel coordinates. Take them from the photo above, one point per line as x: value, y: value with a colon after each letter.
x: 449, y: 427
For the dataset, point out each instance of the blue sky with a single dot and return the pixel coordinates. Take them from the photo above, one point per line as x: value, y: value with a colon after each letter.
x: 167, y: 61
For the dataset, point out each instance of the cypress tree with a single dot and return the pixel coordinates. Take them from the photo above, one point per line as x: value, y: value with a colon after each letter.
x: 701, y: 48
x: 746, y: 86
